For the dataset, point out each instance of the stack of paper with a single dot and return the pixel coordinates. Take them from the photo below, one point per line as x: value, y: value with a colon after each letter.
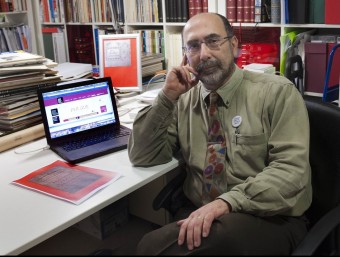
x: 71, y: 71
x: 21, y: 74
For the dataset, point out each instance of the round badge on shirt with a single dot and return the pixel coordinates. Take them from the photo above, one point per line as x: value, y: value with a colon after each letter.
x: 236, y: 121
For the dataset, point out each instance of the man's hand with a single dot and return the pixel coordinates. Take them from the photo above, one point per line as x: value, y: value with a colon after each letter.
x: 179, y: 80
x: 199, y: 222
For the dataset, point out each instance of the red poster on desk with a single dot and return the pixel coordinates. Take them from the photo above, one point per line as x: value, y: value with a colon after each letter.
x: 72, y: 183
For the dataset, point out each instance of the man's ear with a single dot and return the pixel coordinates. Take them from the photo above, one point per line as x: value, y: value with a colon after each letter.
x: 234, y: 45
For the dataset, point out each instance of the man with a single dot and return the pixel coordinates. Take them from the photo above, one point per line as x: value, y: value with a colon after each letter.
x: 266, y: 176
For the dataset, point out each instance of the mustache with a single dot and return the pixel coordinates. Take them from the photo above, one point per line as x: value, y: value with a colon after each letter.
x: 202, y: 65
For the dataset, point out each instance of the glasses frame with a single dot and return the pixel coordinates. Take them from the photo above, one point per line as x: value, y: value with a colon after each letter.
x: 224, y: 39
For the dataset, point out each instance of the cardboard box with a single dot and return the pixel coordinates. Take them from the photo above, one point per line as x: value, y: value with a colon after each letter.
x: 106, y: 221
x: 316, y: 61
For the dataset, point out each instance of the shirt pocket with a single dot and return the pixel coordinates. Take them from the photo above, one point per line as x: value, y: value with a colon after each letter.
x: 249, y: 154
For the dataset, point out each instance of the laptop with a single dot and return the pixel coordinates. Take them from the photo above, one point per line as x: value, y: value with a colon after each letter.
x: 81, y: 119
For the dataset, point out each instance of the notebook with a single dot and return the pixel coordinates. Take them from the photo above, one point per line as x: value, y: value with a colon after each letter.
x: 81, y: 120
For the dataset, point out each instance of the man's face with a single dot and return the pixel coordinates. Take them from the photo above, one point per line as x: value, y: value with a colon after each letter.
x: 214, y: 59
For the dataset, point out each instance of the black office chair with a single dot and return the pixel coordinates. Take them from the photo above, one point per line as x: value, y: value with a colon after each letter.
x: 294, y: 72
x: 323, y: 237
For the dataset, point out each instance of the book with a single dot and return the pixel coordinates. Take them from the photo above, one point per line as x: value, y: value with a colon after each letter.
x: 262, y: 11
x: 185, y: 10
x: 247, y: 11
x: 160, y: 10
x: 231, y: 11
x: 332, y: 12
x: 59, y: 48
x: 317, y: 11
x: 252, y: 11
x: 298, y: 11
x: 71, y: 183
x: 204, y: 5
x: 198, y: 6
x: 191, y: 8
x: 240, y: 10
x: 275, y: 11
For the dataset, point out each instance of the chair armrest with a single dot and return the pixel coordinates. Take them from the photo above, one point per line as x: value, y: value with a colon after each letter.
x: 318, y: 233
x: 168, y: 196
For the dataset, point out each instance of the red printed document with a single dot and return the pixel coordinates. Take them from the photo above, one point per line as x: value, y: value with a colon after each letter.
x: 72, y: 183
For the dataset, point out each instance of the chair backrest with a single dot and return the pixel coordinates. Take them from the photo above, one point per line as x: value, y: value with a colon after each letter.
x: 324, y: 121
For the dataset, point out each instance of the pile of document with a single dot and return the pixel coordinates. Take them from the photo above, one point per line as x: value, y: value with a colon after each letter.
x: 72, y: 71
x: 151, y: 63
x: 21, y: 74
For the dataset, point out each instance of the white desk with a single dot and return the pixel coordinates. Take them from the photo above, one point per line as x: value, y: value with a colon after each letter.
x: 28, y: 217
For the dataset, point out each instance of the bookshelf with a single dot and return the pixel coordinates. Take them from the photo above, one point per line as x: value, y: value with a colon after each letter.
x: 91, y: 21
x: 20, y: 13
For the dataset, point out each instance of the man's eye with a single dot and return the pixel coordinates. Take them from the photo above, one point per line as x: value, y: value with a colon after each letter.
x: 194, y: 46
x: 213, y: 41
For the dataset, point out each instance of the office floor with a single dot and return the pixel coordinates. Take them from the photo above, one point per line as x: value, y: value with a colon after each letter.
x: 72, y: 241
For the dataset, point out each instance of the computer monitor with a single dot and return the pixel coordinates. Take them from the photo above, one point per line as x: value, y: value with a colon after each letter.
x: 120, y: 59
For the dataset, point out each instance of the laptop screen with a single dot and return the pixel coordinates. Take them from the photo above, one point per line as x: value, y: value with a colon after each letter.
x: 79, y: 108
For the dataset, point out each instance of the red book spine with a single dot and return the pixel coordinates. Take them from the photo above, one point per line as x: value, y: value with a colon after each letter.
x: 239, y: 10
x: 252, y: 11
x: 192, y: 9
x: 247, y: 10
x: 204, y: 5
x: 50, y: 30
x: 332, y: 12
x: 198, y: 6
x: 45, y: 11
x: 231, y: 10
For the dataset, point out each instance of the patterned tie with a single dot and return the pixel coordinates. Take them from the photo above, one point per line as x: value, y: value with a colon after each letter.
x: 215, y: 159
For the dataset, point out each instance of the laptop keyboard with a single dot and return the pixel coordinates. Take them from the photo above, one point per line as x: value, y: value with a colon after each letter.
x: 95, y: 139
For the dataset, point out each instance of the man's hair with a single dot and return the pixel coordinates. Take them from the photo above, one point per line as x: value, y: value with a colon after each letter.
x: 227, y: 26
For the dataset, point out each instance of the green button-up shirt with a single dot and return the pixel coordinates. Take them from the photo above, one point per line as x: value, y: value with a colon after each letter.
x: 267, y: 158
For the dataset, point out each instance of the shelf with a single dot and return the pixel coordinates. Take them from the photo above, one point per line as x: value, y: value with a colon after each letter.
x: 170, y: 29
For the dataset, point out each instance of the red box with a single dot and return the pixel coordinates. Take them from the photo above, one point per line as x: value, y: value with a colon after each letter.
x: 316, y: 61
x: 332, y: 8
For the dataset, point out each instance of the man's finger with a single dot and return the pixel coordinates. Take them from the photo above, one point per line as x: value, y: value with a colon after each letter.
x: 184, y: 60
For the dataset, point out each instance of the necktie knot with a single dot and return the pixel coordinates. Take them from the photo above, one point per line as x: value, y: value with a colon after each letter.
x: 213, y: 97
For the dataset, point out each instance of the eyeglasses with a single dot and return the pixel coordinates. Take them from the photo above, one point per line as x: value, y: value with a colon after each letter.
x: 194, y: 47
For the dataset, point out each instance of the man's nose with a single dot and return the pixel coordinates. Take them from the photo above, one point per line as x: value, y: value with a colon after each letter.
x: 205, y: 51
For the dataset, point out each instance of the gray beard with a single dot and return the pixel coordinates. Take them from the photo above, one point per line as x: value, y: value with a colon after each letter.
x: 215, y: 80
